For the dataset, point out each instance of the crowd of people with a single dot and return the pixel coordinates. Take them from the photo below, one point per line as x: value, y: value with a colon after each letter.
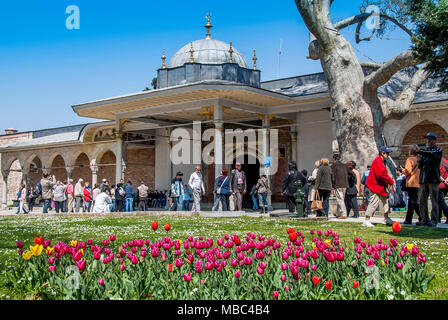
x: 386, y: 186
x: 423, y: 176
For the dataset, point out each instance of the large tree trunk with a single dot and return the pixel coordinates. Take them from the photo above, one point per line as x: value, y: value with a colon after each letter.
x: 357, y: 112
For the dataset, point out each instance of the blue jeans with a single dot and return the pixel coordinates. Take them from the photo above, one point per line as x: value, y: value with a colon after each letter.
x: 186, y: 205
x: 47, y: 205
x: 113, y: 206
x: 129, y: 202
x: 262, y: 199
x: 224, y: 198
x: 87, y: 206
x: 254, y: 200
x: 176, y: 204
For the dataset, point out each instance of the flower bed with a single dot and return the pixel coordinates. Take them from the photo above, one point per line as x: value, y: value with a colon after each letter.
x: 316, y: 266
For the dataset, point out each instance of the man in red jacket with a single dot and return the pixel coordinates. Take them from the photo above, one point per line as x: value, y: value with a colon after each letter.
x: 443, y: 188
x: 378, y: 183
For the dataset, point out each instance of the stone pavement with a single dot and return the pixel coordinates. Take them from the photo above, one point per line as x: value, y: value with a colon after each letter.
x: 279, y: 213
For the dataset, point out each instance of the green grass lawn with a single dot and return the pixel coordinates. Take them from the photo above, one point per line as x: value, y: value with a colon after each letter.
x: 433, y: 242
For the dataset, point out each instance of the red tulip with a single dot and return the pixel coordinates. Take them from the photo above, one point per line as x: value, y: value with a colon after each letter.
x: 170, y: 267
x: 167, y: 227
x: 293, y: 236
x: 328, y: 284
x: 355, y: 284
x: 38, y: 240
x: 316, y: 280
x: 396, y: 227
x: 155, y: 225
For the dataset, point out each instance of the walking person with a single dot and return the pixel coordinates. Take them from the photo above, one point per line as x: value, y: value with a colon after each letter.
x: 324, y: 185
x: 412, y: 174
x: 306, y: 192
x: 340, y: 185
x: 187, y: 197
x: 312, y: 183
x: 47, y: 183
x: 443, y: 188
x: 262, y: 188
x: 197, y: 185
x: 238, y: 185
x: 79, y: 195
x: 379, y: 183
x: 70, y: 194
x: 129, y: 197
x: 32, y: 196
x: 142, y: 196
x: 289, y: 185
x: 222, y: 191
x: 88, y: 197
x: 22, y: 199
x: 59, y: 196
x: 253, y: 194
x: 177, y: 192
x: 119, y: 196
x: 351, y: 194
x: 429, y: 166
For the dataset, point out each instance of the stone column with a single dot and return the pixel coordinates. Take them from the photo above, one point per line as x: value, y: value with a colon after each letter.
x: 218, y: 138
x: 69, y: 172
x: 294, y: 155
x: 267, y: 152
x: 163, y: 161
x: 119, y: 158
x: 5, y: 190
x: 94, y: 175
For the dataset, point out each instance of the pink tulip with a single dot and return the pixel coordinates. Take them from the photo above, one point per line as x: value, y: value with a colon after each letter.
x: 112, y: 237
x: 81, y: 265
x: 247, y: 261
x: 105, y: 242
x: 51, y: 268
x: 287, y: 288
x: 100, y: 281
x: 134, y: 259
x: 51, y: 260
x: 283, y: 277
x: 178, y: 262
x: 260, y: 271
x: 89, y: 241
x: 237, y: 274
x: 122, y: 267
x: 399, y: 265
x: 284, y: 266
x: 187, y: 277
x: 275, y: 294
x: 263, y: 265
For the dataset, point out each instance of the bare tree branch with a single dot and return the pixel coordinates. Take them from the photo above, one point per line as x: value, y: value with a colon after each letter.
x: 397, y: 109
x: 360, y: 18
x: 388, y: 69
x: 370, y: 65
x: 358, y: 31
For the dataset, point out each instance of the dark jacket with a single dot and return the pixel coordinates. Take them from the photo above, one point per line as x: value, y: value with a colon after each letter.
x: 118, y: 196
x: 429, y: 164
x: 324, y: 178
x: 340, y: 175
x: 234, y: 180
x: 352, y: 190
x: 289, y: 183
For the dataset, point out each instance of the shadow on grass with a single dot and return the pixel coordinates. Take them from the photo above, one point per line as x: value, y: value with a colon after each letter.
x: 426, y: 233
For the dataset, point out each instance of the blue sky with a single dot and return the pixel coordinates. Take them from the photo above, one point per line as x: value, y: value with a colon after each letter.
x: 46, y: 68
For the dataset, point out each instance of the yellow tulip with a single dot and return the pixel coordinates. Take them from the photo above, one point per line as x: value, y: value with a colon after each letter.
x: 82, y: 252
x: 27, y: 255
x: 37, y: 249
x: 410, y: 246
x: 180, y: 242
x: 383, y: 263
x: 328, y: 242
x: 49, y: 251
x: 314, y: 246
x: 73, y: 243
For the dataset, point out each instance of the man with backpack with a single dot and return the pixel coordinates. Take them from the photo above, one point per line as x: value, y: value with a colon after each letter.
x: 289, y: 185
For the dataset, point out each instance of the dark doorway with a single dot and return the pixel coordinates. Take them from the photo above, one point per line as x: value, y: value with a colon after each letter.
x: 252, y: 174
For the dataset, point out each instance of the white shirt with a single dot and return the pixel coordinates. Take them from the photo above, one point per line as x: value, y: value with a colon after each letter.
x: 196, y: 182
x: 102, y: 203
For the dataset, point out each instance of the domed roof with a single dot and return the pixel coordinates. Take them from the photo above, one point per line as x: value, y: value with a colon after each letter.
x: 207, y: 51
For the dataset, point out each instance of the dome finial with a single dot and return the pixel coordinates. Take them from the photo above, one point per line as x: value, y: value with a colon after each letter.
x: 208, y: 25
x: 230, y: 53
x: 163, y: 59
x: 191, y: 52
x: 255, y: 61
